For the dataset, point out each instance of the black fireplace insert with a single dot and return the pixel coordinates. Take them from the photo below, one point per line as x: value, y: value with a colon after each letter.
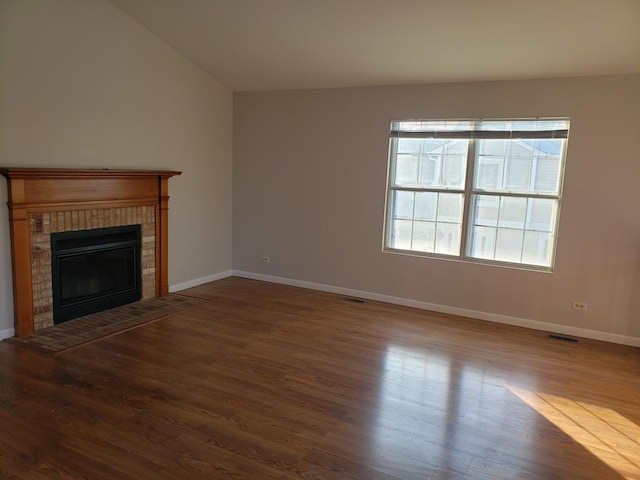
x: 95, y: 270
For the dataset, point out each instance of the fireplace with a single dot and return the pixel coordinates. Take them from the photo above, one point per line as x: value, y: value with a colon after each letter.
x: 94, y: 270
x: 45, y: 202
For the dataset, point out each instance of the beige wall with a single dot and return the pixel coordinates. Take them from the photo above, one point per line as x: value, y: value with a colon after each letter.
x: 85, y: 86
x: 309, y: 190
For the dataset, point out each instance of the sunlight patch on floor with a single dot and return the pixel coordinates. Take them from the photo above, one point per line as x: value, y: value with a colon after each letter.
x: 605, y: 433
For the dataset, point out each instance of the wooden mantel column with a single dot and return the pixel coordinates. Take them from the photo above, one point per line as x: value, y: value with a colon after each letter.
x: 21, y: 258
x: 34, y: 190
x: 162, y: 233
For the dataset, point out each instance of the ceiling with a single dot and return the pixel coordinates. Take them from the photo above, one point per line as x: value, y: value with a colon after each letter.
x: 297, y: 44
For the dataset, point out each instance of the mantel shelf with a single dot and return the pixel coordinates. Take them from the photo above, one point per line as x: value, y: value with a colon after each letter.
x: 19, y: 172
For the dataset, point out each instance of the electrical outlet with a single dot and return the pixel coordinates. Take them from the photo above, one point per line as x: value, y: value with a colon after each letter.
x: 576, y: 305
x: 265, y: 259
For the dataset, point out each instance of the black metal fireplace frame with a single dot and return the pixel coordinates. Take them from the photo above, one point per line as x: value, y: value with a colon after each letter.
x: 100, y: 240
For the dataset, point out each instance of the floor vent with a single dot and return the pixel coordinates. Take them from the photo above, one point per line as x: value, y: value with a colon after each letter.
x: 562, y: 338
x: 354, y: 300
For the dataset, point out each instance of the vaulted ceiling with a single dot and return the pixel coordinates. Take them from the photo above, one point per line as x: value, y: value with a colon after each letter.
x: 294, y: 44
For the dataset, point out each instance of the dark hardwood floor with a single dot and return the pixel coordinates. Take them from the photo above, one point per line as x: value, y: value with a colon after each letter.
x: 266, y: 381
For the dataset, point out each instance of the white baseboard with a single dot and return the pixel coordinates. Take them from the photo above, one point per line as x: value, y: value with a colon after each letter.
x: 7, y: 333
x: 199, y: 281
x: 463, y: 312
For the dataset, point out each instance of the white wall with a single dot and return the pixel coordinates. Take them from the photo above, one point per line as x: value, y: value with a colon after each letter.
x: 85, y: 86
x: 309, y: 190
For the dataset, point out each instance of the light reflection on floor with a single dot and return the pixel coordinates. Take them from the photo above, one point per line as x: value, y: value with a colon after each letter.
x: 438, y: 411
x: 414, y: 387
x: 603, y: 432
x: 430, y: 405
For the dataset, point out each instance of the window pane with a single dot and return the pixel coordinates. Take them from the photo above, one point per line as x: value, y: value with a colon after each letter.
x: 409, y: 145
x: 516, y: 125
x: 426, y: 222
x: 401, y: 234
x: 518, y: 158
x: 537, y: 248
x: 433, y: 146
x: 513, y: 212
x: 450, y: 207
x: 429, y: 170
x: 524, y: 233
x: 423, y: 236
x: 453, y: 172
x: 519, y: 165
x: 486, y: 210
x: 406, y: 172
x: 547, y: 175
x: 509, y: 245
x: 488, y: 173
x: 518, y: 174
x: 403, y: 205
x: 482, y: 242
x: 449, y: 223
x: 443, y: 163
x: 492, y: 148
x: 432, y: 125
x: 541, y: 214
x: 428, y: 162
x: 448, y: 238
x: 426, y: 206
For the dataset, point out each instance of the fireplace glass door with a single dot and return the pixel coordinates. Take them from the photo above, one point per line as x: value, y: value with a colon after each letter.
x: 95, y: 270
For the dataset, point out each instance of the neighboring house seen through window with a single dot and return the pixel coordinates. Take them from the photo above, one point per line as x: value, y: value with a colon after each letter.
x: 478, y: 190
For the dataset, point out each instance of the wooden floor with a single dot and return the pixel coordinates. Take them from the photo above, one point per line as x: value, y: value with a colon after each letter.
x: 265, y: 381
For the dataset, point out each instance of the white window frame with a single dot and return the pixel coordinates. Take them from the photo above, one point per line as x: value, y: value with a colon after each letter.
x: 468, y: 191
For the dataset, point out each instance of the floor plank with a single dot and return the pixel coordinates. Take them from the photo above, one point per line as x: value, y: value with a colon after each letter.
x: 265, y: 381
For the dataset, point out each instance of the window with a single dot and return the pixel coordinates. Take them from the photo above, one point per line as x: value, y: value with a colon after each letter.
x: 477, y: 190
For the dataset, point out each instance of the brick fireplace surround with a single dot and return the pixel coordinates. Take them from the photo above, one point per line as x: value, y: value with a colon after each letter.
x: 46, y: 201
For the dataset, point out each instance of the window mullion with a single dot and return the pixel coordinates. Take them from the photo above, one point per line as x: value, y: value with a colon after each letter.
x: 465, y: 234
x: 489, y: 193
x: 435, y: 223
x: 495, y: 243
x: 391, y: 172
x: 413, y: 221
x: 427, y: 189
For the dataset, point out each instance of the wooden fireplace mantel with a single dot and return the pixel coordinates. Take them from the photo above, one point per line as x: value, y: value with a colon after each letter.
x: 33, y: 190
